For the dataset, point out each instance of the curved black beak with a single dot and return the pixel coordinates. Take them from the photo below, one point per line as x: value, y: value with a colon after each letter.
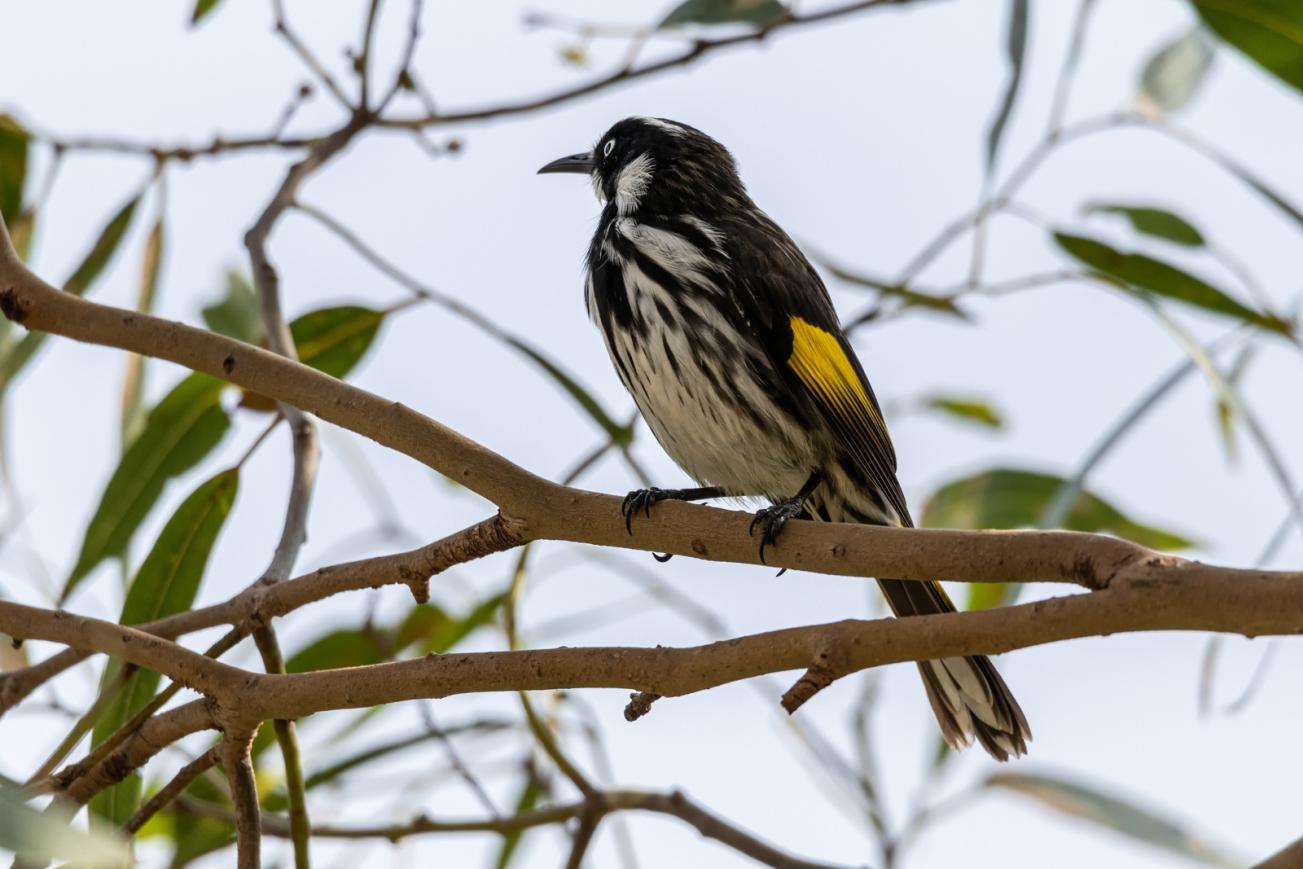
x: 577, y: 163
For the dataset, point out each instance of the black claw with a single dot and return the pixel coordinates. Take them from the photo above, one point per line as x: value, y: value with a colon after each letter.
x: 641, y: 499
x: 780, y: 573
x: 773, y: 519
x: 663, y: 558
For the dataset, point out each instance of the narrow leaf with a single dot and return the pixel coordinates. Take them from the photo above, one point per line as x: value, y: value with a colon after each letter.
x: 14, y: 141
x: 1013, y: 498
x: 237, y: 314
x: 762, y: 13
x: 1114, y: 813
x: 180, y: 431
x: 133, y: 415
x: 1173, y: 75
x: 1015, y: 50
x: 18, y: 355
x: 1269, y: 32
x: 620, y: 434
x: 167, y: 583
x: 967, y: 409
x: 1162, y: 279
x: 1154, y: 222
x: 532, y: 790
x: 202, y: 8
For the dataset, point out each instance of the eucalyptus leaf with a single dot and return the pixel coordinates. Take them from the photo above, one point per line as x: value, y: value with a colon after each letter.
x: 14, y: 145
x: 1268, y: 32
x: 182, y: 429
x: 167, y: 583
x: 133, y: 415
x: 1015, y: 50
x: 1173, y: 75
x: 334, y: 340
x: 236, y: 315
x: 1154, y: 222
x: 202, y: 9
x: 1136, y: 270
x: 1112, y: 812
x: 966, y: 409
x: 531, y: 791
x: 762, y: 13
x: 1015, y: 498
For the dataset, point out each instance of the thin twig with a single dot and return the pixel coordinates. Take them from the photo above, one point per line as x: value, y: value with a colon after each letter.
x: 172, y: 789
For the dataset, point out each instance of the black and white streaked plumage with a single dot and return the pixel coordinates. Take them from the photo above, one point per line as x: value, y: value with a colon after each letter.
x: 725, y: 336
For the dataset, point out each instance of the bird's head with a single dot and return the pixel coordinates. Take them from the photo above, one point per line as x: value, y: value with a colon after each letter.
x: 658, y: 165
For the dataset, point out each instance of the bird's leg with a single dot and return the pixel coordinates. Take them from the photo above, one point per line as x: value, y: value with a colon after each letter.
x: 643, y: 499
x: 773, y: 518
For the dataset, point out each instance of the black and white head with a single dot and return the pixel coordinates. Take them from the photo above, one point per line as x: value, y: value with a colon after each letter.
x: 658, y: 166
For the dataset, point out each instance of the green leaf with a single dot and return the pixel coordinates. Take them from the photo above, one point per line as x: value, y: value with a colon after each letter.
x: 196, y: 835
x: 341, y: 648
x: 22, y: 228
x: 133, y: 414
x: 18, y: 355
x: 334, y: 340
x: 621, y: 435
x: 45, y: 836
x: 1112, y: 812
x: 434, y: 631
x: 1226, y: 411
x: 1269, y: 32
x: 1012, y: 498
x: 1155, y: 222
x: 180, y: 431
x: 762, y: 13
x: 967, y: 409
x: 533, y: 789
x: 237, y: 315
x: 1173, y: 75
x: 1015, y: 498
x: 1146, y: 273
x: 14, y: 141
x: 167, y: 583
x: 202, y: 8
x: 1015, y: 50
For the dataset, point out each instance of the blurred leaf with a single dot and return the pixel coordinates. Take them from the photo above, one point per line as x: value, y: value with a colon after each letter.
x: 197, y: 835
x: 180, y: 431
x: 278, y: 802
x: 341, y: 648
x: 237, y: 315
x: 1269, y: 32
x: 17, y: 356
x: 166, y: 583
x: 46, y: 836
x: 133, y: 415
x: 762, y: 13
x: 22, y: 228
x: 1226, y: 413
x: 202, y: 8
x: 1146, y: 273
x: 14, y: 142
x: 1015, y: 50
x: 574, y: 54
x: 1013, y: 498
x: 1155, y: 222
x: 436, y: 632
x: 621, y: 435
x: 1079, y: 801
x: 333, y: 340
x: 527, y: 800
x: 1174, y: 74
x: 967, y: 409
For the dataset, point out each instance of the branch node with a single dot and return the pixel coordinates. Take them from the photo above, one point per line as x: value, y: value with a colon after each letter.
x: 818, y: 676
x: 640, y: 703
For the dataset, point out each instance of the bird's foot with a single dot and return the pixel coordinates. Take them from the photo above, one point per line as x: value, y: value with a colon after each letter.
x: 772, y: 519
x: 643, y: 499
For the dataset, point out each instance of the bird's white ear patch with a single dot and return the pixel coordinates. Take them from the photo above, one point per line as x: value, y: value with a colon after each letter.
x: 632, y: 183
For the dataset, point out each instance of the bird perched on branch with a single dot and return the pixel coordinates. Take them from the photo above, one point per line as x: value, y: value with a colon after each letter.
x: 725, y: 336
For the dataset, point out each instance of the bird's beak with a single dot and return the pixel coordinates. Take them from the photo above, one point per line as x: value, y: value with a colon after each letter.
x: 577, y: 163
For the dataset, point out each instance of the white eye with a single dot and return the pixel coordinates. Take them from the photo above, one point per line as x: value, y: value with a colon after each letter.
x: 610, y: 146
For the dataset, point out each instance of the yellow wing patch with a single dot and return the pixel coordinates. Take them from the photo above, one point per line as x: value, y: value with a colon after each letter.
x: 821, y: 363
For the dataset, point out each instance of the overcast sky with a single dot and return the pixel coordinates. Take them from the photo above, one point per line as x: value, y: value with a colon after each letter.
x: 861, y: 138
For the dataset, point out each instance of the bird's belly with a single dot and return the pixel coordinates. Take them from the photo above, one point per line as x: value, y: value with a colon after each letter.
x: 712, y: 416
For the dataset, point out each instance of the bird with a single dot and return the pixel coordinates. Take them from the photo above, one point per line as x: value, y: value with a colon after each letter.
x: 726, y: 338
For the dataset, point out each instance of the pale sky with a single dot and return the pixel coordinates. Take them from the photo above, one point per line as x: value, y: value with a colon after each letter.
x: 862, y: 138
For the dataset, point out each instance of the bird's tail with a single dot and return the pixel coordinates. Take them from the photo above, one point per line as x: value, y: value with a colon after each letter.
x: 967, y: 694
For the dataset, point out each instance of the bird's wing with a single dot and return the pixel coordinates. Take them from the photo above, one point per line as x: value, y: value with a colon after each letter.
x: 791, y: 308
